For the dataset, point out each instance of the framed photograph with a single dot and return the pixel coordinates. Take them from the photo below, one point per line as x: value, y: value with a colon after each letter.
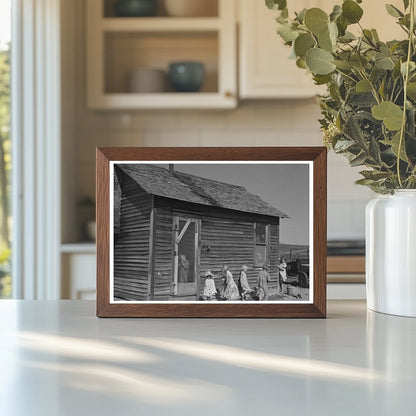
x: 211, y: 232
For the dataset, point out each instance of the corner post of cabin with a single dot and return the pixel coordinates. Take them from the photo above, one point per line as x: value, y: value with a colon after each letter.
x: 152, y: 239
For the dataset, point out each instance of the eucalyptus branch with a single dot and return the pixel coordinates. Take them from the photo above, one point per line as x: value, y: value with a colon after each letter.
x: 373, y: 88
x: 406, y: 80
x: 346, y: 75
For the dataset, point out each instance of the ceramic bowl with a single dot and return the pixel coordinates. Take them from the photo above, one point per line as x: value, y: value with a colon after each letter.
x: 135, y: 8
x: 191, y: 8
x: 147, y: 80
x: 186, y: 76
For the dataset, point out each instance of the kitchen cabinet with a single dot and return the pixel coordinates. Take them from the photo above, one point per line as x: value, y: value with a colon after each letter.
x: 265, y: 69
x: 78, y: 263
x: 118, y: 45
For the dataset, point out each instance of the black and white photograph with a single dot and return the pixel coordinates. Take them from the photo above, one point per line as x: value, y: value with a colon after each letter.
x: 211, y: 232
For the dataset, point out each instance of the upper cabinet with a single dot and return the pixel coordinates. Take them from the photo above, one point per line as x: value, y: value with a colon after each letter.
x: 129, y: 59
x: 265, y: 68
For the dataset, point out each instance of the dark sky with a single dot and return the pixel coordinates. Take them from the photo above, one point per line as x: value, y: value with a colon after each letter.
x: 285, y: 187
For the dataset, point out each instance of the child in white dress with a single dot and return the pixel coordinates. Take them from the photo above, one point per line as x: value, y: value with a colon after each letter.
x: 210, y: 291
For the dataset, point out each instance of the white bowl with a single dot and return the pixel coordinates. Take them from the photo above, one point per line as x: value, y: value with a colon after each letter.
x: 147, y: 80
x: 191, y: 8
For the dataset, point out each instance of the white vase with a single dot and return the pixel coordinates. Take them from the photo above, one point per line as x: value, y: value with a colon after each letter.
x: 391, y: 253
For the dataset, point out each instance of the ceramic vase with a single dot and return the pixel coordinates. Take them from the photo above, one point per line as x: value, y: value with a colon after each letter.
x: 391, y: 253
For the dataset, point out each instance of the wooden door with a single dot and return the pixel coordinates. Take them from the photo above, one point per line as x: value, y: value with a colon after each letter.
x: 186, y: 256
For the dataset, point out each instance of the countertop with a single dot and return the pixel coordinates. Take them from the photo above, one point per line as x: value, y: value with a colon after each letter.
x: 57, y: 358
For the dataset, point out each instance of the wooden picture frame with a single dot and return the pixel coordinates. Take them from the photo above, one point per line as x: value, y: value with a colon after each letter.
x: 110, y: 164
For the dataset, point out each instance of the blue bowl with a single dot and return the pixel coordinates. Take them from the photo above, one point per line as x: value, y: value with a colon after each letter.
x: 135, y: 8
x: 187, y: 76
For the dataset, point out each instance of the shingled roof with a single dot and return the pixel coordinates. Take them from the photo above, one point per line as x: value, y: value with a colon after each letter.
x: 159, y: 181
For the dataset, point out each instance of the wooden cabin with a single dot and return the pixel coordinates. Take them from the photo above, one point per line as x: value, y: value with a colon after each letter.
x: 170, y: 228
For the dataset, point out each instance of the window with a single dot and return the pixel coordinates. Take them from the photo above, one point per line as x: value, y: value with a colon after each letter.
x: 261, y: 244
x: 5, y: 160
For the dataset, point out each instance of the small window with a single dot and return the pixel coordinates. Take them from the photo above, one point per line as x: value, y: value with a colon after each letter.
x: 261, y: 243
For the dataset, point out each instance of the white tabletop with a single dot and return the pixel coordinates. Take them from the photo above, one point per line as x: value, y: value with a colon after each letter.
x: 57, y: 358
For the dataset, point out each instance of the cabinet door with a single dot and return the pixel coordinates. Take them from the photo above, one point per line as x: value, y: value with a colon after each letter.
x: 376, y: 17
x: 78, y: 276
x: 265, y: 68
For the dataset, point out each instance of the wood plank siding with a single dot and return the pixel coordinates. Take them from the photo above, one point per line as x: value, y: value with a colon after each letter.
x: 231, y: 242
x: 226, y: 238
x: 163, y: 261
x: 131, y: 245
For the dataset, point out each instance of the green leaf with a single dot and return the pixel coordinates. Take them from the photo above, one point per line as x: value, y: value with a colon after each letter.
x: 351, y: 11
x: 303, y: 43
x: 344, y: 65
x: 358, y: 160
x: 374, y: 150
x: 393, y: 11
x: 276, y: 4
x: 358, y: 61
x: 342, y: 25
x: 363, y: 86
x: 347, y: 37
x: 320, y: 61
x: 406, y: 4
x: 412, y: 67
x: 316, y: 20
x: 333, y: 32
x: 374, y: 175
x: 325, y: 42
x: 365, y: 182
x: 388, y: 112
x: 394, y: 145
x: 384, y: 62
x: 301, y: 15
x: 411, y: 90
x: 321, y: 79
x: 343, y: 145
x: 375, y: 35
x: 354, y: 132
x: 287, y: 33
x: 301, y: 63
x: 336, y: 12
x: 368, y: 36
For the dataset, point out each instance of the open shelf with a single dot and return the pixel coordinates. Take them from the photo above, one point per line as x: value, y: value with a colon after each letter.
x: 127, y: 51
x: 160, y: 24
x: 167, y: 100
x: 211, y: 9
x: 119, y: 45
x: 87, y: 247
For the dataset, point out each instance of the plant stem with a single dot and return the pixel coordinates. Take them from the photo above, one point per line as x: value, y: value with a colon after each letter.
x: 406, y: 80
x: 346, y: 75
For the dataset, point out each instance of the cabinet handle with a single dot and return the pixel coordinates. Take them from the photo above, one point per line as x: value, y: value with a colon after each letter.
x: 229, y: 94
